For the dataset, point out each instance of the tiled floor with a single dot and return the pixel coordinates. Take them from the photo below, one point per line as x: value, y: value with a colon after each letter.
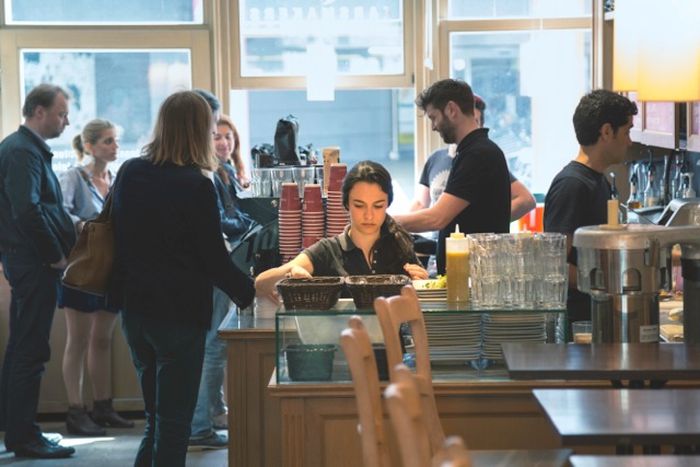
x: 117, y: 449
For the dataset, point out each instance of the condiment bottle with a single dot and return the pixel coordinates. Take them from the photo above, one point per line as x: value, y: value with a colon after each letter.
x: 457, y: 261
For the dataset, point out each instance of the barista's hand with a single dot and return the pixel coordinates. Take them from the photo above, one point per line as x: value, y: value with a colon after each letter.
x: 297, y: 272
x: 415, y: 271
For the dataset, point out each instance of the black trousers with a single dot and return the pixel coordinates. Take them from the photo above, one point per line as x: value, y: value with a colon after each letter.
x: 168, y: 358
x: 33, y: 300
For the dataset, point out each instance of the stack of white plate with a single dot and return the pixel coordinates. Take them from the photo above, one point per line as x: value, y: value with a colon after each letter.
x: 453, y: 338
x: 520, y: 327
x: 425, y: 293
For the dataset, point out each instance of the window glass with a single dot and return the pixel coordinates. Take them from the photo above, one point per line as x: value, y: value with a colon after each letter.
x: 125, y: 87
x: 529, y: 105
x: 366, y: 124
x: 108, y: 11
x: 518, y: 8
x: 366, y: 36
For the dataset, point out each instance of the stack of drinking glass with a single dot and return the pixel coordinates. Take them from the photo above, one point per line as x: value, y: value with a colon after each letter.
x: 522, y: 271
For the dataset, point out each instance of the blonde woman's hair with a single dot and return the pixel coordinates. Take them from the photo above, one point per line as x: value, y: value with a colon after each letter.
x: 91, y: 133
x: 183, y: 133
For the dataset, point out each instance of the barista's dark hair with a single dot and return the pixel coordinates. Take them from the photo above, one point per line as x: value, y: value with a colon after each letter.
x: 597, y: 108
x: 441, y: 92
x: 480, y: 105
x: 43, y: 95
x: 372, y: 172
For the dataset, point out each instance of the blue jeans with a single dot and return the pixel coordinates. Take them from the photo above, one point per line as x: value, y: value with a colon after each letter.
x: 210, y: 401
x: 168, y: 359
x: 32, y: 303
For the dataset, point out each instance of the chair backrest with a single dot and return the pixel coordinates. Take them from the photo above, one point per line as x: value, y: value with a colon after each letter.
x: 391, y: 312
x: 452, y: 454
x: 365, y: 379
x: 406, y: 411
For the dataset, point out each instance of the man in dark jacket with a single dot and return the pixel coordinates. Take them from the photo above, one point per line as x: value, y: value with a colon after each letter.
x: 36, y: 235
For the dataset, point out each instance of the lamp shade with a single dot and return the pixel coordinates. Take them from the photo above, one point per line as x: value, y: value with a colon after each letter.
x: 669, y: 53
x: 626, y: 35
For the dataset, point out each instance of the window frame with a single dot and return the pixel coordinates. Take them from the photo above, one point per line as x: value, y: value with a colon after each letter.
x: 13, y: 38
x: 375, y: 81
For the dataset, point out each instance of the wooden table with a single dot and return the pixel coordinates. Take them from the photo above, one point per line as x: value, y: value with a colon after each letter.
x: 634, y: 461
x: 598, y: 417
x: 661, y: 362
x: 520, y: 458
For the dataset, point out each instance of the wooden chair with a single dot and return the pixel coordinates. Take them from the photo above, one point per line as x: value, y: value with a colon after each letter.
x: 406, y: 411
x: 391, y: 312
x: 452, y: 454
x: 363, y: 367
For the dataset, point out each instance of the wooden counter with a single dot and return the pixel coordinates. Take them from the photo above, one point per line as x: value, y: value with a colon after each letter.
x: 319, y: 422
x: 253, y: 417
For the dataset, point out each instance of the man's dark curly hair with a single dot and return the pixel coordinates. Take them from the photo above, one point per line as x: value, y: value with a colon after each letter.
x: 598, y: 108
x: 441, y: 92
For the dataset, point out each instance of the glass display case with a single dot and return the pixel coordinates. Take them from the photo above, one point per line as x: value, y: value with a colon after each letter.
x: 464, y: 343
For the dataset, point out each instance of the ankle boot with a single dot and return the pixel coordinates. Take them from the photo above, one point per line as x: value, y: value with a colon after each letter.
x: 104, y: 415
x: 78, y: 422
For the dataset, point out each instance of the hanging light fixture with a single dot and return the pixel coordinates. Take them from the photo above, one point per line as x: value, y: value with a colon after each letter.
x: 656, y: 50
x: 669, y: 55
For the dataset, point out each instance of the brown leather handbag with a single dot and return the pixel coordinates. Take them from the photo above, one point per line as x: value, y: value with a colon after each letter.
x: 91, y: 259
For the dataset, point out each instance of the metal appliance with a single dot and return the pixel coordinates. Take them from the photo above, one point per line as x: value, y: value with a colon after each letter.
x: 624, y: 267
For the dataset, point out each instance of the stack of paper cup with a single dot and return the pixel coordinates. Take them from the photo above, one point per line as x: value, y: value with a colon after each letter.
x: 313, y: 219
x: 337, y: 217
x: 289, y: 222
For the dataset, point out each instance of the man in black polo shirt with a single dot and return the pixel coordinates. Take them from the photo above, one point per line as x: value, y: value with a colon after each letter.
x: 579, y: 193
x: 477, y: 194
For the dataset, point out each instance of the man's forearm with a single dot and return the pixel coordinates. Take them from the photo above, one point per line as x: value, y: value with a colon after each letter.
x: 424, y: 220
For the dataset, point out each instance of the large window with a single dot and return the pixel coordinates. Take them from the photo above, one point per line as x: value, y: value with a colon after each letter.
x: 277, y: 36
x: 518, y: 8
x: 125, y: 87
x: 531, y: 62
x: 374, y: 124
x: 103, y: 12
x: 528, y: 104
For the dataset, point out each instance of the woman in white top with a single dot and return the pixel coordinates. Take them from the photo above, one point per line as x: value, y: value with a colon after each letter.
x: 89, y: 322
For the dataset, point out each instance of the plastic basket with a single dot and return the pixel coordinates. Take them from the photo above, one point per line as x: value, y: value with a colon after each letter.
x: 310, y: 362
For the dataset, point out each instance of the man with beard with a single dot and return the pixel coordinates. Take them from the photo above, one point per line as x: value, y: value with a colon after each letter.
x: 36, y: 235
x: 477, y: 194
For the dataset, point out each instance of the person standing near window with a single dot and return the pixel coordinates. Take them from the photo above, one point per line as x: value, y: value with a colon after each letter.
x: 36, y: 235
x: 477, y: 192
x: 169, y: 254
x: 89, y: 322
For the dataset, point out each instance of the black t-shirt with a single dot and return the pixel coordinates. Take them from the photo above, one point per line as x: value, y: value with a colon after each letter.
x: 577, y: 197
x: 338, y: 256
x: 479, y: 175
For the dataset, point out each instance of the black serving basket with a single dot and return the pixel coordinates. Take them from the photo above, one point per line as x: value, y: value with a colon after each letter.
x: 315, y: 293
x: 364, y: 289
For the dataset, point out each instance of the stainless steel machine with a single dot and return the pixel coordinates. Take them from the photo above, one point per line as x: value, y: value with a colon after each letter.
x: 624, y: 267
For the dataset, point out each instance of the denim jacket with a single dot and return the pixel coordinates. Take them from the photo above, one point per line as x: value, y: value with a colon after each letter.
x: 81, y: 199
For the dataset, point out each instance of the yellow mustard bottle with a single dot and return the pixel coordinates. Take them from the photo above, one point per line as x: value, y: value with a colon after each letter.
x: 457, y: 262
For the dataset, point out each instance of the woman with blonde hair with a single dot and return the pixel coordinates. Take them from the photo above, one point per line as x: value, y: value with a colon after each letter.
x: 89, y: 322
x: 169, y: 254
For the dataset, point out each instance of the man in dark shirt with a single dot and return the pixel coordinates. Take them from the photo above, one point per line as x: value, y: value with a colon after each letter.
x: 36, y: 235
x: 579, y: 193
x: 477, y: 193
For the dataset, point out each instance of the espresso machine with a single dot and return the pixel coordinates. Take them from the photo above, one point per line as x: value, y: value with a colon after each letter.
x: 623, y: 267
